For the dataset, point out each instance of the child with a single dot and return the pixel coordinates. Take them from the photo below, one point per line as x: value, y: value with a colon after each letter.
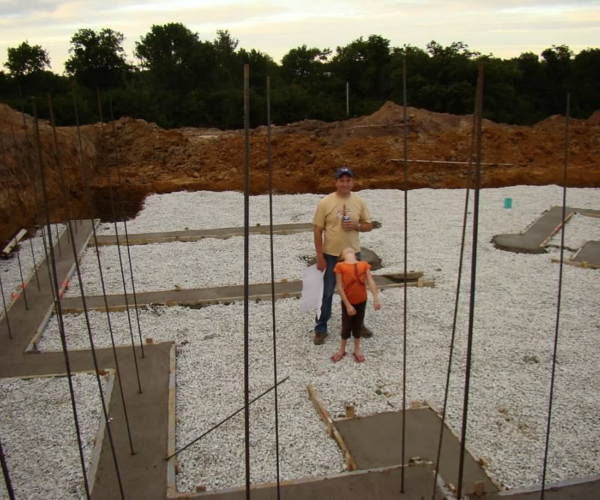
x: 352, y: 276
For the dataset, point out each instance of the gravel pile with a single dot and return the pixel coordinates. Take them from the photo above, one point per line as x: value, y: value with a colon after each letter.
x: 38, y: 434
x: 11, y: 276
x: 514, y: 329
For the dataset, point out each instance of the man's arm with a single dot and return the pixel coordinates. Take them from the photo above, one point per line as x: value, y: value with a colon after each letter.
x: 364, y: 227
x: 321, y: 262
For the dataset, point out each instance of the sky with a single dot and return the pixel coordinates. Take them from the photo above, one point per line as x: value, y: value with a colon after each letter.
x: 504, y: 28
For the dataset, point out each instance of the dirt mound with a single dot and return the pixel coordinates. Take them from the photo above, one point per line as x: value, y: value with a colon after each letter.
x: 305, y: 155
x: 595, y: 118
x: 21, y: 202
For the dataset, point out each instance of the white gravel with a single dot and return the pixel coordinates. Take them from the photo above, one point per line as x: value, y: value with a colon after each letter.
x: 38, y: 434
x: 514, y: 331
x: 9, y: 268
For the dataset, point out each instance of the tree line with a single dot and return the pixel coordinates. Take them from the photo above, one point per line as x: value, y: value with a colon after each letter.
x: 180, y: 80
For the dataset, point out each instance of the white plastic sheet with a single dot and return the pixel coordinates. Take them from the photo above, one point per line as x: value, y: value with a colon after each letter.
x: 312, y: 289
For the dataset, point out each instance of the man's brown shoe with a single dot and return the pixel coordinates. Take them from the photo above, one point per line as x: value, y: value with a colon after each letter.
x: 319, y: 338
x: 365, y: 332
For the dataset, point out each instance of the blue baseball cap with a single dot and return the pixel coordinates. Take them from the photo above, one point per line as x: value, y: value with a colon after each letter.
x: 343, y: 171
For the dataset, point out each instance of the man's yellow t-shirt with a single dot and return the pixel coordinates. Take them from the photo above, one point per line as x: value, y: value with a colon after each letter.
x: 329, y: 214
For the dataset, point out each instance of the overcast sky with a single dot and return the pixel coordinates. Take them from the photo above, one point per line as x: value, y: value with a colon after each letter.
x: 504, y: 28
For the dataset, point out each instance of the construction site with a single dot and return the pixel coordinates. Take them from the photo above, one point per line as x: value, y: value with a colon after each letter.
x: 152, y: 343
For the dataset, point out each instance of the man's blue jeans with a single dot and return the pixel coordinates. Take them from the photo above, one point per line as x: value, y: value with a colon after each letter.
x: 328, y: 290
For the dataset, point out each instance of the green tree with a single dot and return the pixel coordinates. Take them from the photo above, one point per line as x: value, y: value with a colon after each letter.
x: 181, y: 71
x: 417, y: 64
x: 98, y: 58
x: 304, y: 66
x: 557, y: 72
x: 586, y: 75
x: 229, y: 69
x: 27, y: 59
x: 365, y: 64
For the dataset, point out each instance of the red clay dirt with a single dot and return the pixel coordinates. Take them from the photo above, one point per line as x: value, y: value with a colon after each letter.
x: 305, y: 155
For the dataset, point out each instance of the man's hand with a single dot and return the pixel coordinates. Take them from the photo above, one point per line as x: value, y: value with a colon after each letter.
x: 376, y: 305
x: 350, y: 310
x: 349, y: 225
x: 321, y: 263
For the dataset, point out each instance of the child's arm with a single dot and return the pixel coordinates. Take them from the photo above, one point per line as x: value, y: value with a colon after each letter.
x: 340, y: 288
x: 373, y: 287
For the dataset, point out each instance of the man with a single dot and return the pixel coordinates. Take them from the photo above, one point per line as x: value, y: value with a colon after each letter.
x: 338, y: 220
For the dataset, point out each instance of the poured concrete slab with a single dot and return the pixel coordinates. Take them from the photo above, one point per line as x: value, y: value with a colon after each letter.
x: 539, y: 233
x: 589, y: 255
x: 378, y: 484
x: 376, y: 441
x: 198, y: 234
x: 144, y: 475
x: 24, y: 322
x: 220, y: 295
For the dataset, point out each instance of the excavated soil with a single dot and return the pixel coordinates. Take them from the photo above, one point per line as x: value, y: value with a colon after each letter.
x: 305, y: 155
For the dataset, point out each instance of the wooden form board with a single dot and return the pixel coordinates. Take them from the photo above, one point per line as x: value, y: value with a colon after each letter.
x: 14, y: 242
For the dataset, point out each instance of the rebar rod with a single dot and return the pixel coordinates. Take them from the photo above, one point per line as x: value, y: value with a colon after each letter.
x: 456, y: 306
x: 112, y: 206
x: 214, y: 427
x: 86, y: 183
x: 21, y: 274
x: 10, y: 336
x: 84, y: 303
x: 32, y: 171
x: 6, y: 474
x: 273, y: 308
x: 247, y: 274
x: 63, y: 187
x: 446, y: 162
x: 57, y: 305
x: 58, y: 240
x: 124, y: 220
x: 559, y: 297
x: 16, y: 245
x: 404, y: 322
x: 469, y: 360
x: 37, y: 278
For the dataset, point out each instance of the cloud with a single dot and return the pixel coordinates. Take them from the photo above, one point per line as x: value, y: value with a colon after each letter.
x: 506, y: 27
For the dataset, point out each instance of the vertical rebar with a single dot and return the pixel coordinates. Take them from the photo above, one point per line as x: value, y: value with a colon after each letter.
x: 347, y: 99
x: 32, y: 171
x: 273, y: 310
x: 404, y: 322
x: 5, y: 309
x: 123, y: 218
x: 559, y: 296
x: 456, y: 303
x: 58, y: 240
x: 86, y: 312
x: 17, y: 251
x: 16, y: 246
x: 57, y: 305
x: 469, y: 359
x: 109, y: 322
x: 63, y: 187
x: 37, y: 278
x: 246, y: 272
x: 86, y: 182
x: 5, y: 472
